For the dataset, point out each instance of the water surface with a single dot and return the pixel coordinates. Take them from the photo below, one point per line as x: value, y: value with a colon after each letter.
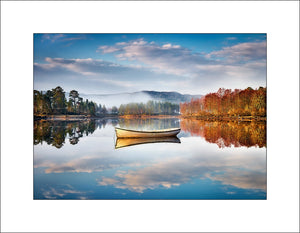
x: 208, y: 160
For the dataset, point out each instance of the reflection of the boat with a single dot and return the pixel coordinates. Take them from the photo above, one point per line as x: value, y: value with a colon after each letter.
x: 124, y: 142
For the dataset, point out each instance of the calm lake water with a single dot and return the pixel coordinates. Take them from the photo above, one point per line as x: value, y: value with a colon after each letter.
x: 208, y: 160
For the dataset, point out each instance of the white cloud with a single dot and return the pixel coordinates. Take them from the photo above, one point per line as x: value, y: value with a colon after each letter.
x: 62, y: 37
x: 96, y: 76
x: 242, y: 52
x: 231, y: 38
x: 86, y: 66
x: 243, y: 63
x: 166, y: 67
x: 107, y: 49
x: 167, y: 46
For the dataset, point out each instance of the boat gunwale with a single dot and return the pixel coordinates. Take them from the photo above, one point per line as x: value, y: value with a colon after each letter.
x: 155, y: 131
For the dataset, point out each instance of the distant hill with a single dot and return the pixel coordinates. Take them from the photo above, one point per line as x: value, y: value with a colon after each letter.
x: 110, y: 100
x: 173, y: 97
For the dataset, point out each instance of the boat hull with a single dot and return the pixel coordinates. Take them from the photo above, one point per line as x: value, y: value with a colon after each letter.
x: 125, y: 133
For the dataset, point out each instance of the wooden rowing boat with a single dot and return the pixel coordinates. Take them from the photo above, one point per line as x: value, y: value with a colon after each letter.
x: 129, y: 133
x: 124, y: 142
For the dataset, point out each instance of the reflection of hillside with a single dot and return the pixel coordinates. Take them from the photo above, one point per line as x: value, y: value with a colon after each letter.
x: 225, y: 134
x: 55, y: 132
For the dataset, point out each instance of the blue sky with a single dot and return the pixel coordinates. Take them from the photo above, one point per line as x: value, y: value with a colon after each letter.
x: 118, y: 63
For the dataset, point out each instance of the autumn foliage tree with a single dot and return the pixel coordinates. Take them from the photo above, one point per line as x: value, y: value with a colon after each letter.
x: 228, y: 103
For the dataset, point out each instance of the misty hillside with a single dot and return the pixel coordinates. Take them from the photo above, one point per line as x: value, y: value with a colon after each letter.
x: 110, y: 100
x: 173, y: 97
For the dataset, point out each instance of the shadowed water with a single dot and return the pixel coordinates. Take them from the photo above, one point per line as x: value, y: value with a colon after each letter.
x: 208, y: 160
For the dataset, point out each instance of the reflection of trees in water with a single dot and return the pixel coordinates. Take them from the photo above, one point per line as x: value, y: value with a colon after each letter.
x: 55, y: 132
x: 149, y: 123
x: 58, y: 137
x: 115, y: 121
x: 102, y: 123
x: 225, y: 134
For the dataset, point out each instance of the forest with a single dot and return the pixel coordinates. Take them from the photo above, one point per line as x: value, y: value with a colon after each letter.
x: 228, y: 103
x: 54, y: 102
x: 225, y: 103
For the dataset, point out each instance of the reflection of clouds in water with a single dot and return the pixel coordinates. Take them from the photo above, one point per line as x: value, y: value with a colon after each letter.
x: 166, y: 174
x: 62, y: 191
x: 178, y: 171
x: 90, y: 150
x: 88, y: 164
x: 152, y: 166
x: 242, y: 179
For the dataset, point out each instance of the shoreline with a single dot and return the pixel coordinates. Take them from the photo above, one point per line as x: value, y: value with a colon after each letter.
x: 226, y: 118
x: 206, y: 118
x: 71, y: 117
x: 147, y: 116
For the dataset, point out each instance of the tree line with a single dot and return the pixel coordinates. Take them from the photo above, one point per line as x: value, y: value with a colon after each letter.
x: 228, y: 103
x: 54, y: 102
x: 224, y: 103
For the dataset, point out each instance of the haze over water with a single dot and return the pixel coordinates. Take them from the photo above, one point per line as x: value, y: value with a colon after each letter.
x: 211, y: 160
